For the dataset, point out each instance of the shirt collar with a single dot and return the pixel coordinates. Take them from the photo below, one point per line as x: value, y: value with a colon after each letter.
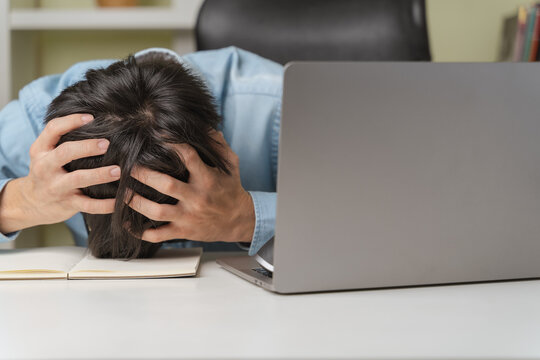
x: 173, y: 55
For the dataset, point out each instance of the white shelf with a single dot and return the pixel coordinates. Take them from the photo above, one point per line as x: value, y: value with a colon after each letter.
x: 153, y: 18
x: 180, y: 16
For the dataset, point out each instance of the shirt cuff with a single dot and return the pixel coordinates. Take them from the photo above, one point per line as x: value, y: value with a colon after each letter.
x: 11, y: 236
x: 265, y: 219
x: 244, y: 246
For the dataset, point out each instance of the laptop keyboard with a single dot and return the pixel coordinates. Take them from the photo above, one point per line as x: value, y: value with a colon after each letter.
x: 263, y: 272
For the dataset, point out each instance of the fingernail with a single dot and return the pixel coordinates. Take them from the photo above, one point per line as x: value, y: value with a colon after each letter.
x: 103, y: 144
x: 115, y: 171
x: 87, y: 118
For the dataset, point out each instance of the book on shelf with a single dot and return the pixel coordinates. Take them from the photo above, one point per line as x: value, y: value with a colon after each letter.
x: 71, y: 262
x: 521, y: 35
x: 533, y: 54
x: 531, y: 18
x: 509, y: 42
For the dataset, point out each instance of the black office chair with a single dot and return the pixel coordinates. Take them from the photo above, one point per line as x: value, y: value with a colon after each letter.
x: 286, y: 30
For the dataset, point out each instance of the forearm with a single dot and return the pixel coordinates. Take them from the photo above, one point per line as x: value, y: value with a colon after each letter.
x: 15, y: 214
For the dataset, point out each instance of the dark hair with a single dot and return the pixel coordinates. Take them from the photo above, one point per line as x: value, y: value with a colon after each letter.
x: 142, y: 106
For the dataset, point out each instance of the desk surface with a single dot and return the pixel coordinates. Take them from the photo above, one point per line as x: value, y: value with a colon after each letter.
x: 218, y: 315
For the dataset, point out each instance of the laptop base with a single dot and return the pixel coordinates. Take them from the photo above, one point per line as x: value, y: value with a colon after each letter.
x: 248, y: 269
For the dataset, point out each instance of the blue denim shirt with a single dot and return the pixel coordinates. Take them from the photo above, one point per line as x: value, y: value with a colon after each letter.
x: 247, y: 90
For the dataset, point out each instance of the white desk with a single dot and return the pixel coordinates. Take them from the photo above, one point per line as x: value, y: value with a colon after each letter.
x: 218, y: 315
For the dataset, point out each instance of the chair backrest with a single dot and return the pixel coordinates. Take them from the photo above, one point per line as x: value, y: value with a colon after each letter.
x: 286, y: 30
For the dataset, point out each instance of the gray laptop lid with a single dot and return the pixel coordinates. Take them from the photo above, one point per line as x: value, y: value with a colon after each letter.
x: 395, y: 174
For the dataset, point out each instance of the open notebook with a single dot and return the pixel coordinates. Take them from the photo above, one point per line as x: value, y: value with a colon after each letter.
x: 70, y: 262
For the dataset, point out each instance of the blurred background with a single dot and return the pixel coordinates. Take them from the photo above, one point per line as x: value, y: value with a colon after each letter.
x: 41, y: 37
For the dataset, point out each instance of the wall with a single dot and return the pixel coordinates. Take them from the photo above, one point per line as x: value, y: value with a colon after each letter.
x: 468, y: 30
x: 460, y: 30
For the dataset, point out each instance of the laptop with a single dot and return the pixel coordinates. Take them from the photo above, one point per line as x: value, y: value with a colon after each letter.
x: 404, y: 174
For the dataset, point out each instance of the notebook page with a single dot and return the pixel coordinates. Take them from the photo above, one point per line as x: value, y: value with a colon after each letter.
x: 166, y: 263
x: 47, y: 262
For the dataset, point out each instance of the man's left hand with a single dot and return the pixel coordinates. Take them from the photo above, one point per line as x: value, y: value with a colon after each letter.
x: 212, y: 205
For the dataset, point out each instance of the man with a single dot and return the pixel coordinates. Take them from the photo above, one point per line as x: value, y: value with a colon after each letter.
x: 36, y: 189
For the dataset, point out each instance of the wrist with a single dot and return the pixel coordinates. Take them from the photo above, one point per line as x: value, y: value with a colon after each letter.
x: 244, y: 221
x: 15, y: 207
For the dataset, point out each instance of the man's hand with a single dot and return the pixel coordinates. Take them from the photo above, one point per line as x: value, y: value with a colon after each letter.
x: 49, y: 194
x: 212, y: 206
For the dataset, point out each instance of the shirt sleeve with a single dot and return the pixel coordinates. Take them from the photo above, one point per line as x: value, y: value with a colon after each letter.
x: 16, y: 136
x: 264, y: 203
x: 265, y: 219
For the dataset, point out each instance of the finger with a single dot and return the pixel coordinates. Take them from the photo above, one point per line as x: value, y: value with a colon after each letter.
x: 224, y: 149
x: 127, y: 227
x: 55, y: 128
x: 153, y: 210
x: 162, y: 233
x: 220, y: 142
x: 163, y: 183
x: 217, y: 136
x: 88, y: 205
x: 73, y: 150
x: 196, y: 167
x: 84, y: 178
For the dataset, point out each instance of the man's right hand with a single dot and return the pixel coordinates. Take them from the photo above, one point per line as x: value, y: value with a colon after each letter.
x: 49, y: 194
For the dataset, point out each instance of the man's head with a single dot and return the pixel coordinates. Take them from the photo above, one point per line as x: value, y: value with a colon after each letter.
x: 142, y: 106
